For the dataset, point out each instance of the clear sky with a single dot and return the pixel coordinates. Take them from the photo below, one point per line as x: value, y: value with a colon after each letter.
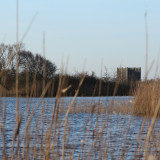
x: 99, y: 33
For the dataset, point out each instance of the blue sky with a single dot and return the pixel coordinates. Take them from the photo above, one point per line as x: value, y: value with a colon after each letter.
x: 97, y: 33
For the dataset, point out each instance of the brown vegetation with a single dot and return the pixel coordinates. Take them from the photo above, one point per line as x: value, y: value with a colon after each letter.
x: 41, y: 143
x: 147, y: 97
x: 45, y: 139
x: 40, y: 137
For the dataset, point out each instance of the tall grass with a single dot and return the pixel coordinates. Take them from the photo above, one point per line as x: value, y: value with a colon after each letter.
x: 50, y: 135
x: 43, y: 135
x: 146, y: 98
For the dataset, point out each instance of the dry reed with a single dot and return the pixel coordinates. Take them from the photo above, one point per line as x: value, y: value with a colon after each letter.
x: 43, y: 135
x: 146, y: 98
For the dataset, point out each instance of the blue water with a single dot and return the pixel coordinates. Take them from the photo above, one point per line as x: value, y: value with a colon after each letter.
x: 112, y: 134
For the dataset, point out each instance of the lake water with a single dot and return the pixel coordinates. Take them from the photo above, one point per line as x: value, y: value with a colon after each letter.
x: 90, y: 135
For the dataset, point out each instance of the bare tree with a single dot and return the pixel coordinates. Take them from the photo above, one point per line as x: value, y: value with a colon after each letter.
x: 34, y: 64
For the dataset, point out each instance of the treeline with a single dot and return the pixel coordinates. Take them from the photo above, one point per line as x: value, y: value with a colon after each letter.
x: 35, y: 72
x: 93, y: 86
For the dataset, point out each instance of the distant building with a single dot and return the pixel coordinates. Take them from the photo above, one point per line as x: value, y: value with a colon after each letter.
x: 129, y: 74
